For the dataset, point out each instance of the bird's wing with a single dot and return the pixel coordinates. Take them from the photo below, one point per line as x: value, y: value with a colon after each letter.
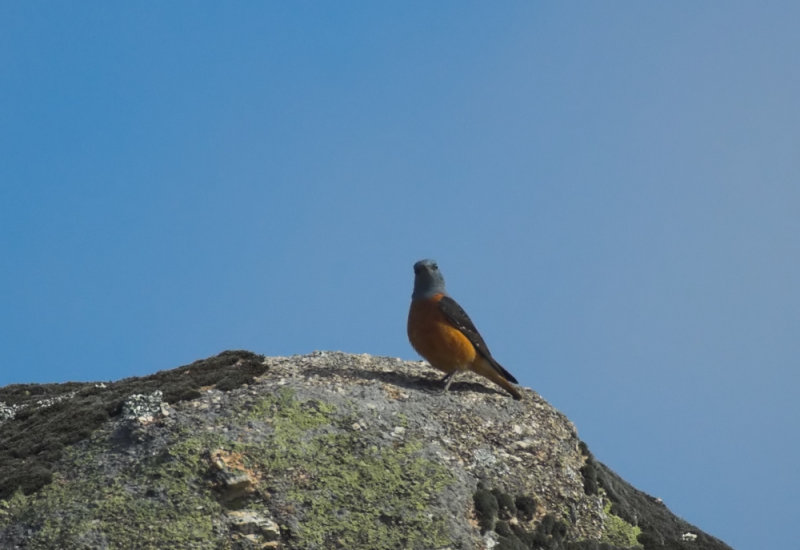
x: 459, y: 318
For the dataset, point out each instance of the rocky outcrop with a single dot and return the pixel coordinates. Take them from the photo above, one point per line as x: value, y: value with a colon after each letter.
x: 326, y: 450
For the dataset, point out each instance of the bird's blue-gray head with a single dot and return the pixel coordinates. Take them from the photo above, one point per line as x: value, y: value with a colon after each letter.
x: 428, y: 280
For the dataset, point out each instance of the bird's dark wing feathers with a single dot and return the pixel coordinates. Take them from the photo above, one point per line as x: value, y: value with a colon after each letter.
x: 456, y: 315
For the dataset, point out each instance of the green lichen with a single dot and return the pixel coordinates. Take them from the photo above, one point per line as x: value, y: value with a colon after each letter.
x: 327, y: 486
x: 169, y: 506
x: 368, y: 498
x: 619, y: 532
x: 348, y: 493
x: 34, y: 440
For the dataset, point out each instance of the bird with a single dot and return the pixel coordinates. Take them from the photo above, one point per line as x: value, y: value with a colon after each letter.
x: 441, y: 331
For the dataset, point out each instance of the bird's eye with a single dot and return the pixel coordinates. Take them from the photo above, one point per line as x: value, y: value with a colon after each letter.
x: 434, y: 266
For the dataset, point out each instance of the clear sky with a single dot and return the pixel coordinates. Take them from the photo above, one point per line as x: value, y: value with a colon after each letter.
x: 612, y: 191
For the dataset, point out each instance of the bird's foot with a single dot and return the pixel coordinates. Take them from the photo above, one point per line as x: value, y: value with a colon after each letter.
x: 447, y: 380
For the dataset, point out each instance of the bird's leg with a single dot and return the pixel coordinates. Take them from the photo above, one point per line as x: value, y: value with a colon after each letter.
x: 447, y: 380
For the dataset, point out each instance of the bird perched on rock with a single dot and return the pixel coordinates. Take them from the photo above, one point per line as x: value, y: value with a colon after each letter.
x: 442, y: 332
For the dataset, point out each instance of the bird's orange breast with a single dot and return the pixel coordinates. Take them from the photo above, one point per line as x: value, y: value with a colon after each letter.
x: 436, y: 339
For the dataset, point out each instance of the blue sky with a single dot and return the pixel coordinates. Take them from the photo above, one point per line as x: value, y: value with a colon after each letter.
x: 612, y: 191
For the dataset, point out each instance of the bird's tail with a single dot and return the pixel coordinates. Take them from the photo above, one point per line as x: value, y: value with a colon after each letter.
x: 499, y: 368
x: 492, y: 370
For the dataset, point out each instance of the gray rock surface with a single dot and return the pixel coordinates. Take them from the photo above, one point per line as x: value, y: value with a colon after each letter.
x: 326, y: 450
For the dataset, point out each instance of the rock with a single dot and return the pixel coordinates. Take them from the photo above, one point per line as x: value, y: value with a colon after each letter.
x: 326, y: 450
x: 142, y: 409
x: 230, y: 476
x: 7, y: 412
x: 250, y: 522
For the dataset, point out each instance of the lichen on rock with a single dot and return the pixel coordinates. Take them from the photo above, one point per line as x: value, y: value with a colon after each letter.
x: 326, y: 450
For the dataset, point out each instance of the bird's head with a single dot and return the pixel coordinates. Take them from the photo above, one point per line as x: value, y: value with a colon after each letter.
x: 428, y: 280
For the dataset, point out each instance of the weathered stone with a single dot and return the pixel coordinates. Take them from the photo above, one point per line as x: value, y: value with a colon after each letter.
x: 249, y: 522
x: 326, y: 450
